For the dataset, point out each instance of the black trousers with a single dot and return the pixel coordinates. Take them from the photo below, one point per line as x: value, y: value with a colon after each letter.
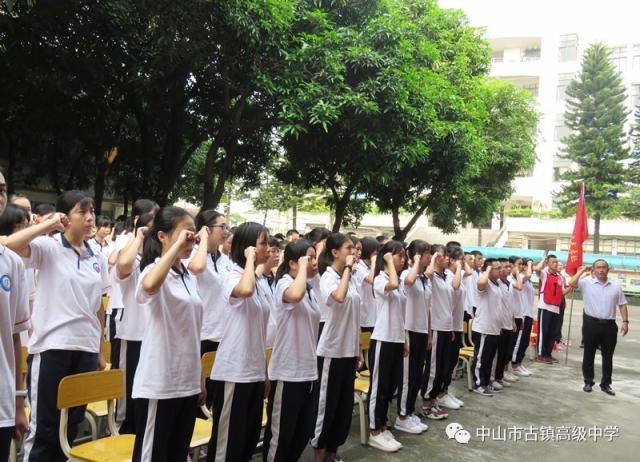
x: 412, y: 368
x: 46, y: 369
x: 603, y: 333
x: 514, y: 339
x: 467, y: 336
x: 502, y: 357
x: 521, y: 339
x: 386, y: 363
x: 558, y: 335
x: 290, y: 414
x: 6, y: 433
x: 485, y: 348
x: 441, y: 346
x: 426, y: 372
x: 129, y: 358
x: 454, y: 354
x: 207, y: 346
x: 237, y: 420
x: 114, y: 359
x: 165, y: 428
x: 335, y: 403
x: 547, y: 326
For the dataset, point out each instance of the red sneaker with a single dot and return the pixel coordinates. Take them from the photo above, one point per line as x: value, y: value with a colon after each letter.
x: 553, y: 360
x: 543, y: 359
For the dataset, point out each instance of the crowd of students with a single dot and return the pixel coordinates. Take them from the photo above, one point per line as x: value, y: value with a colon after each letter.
x: 180, y: 286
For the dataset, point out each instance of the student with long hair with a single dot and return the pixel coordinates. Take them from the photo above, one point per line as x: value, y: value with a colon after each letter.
x: 167, y: 387
x: 417, y: 289
x: 67, y: 315
x: 132, y: 325
x: 339, y: 347
x: 318, y: 237
x: 239, y: 372
x: 101, y: 240
x: 14, y: 319
x: 443, y: 285
x: 293, y: 368
x: 364, y: 274
x: 204, y: 263
x: 13, y: 219
x: 388, y: 346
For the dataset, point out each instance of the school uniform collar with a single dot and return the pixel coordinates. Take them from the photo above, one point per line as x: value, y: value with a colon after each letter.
x: 597, y: 281
x: 182, y: 271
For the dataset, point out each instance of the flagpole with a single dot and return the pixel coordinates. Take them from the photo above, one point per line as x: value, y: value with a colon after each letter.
x: 566, y: 350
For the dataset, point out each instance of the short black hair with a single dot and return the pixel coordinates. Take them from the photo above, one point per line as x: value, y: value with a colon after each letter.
x: 453, y: 244
x: 102, y: 221
x: 476, y: 253
x: 291, y: 232
x: 513, y: 259
x: 600, y: 260
x: 488, y: 263
x: 69, y: 199
x: 13, y: 215
x: 245, y: 235
x: 318, y: 234
x: 552, y: 256
x: 503, y: 260
x: 44, y: 209
x: 279, y: 236
x: 369, y: 247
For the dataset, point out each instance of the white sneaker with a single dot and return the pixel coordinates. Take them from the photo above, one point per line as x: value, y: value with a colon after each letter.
x: 418, y: 422
x: 407, y: 425
x: 518, y: 371
x: 457, y: 400
x: 509, y: 377
x: 391, y: 439
x: 528, y: 371
x: 381, y: 443
x: 447, y: 402
x: 496, y: 385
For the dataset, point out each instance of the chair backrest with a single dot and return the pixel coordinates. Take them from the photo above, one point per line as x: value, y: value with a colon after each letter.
x: 268, y: 353
x: 465, y: 327
x: 89, y: 387
x: 24, y: 367
x: 107, y: 351
x: 207, y: 363
x: 365, y: 340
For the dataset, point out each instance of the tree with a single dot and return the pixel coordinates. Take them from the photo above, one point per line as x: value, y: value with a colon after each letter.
x: 597, y: 145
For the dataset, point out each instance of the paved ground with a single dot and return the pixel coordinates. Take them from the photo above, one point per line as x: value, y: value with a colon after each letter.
x: 551, y: 398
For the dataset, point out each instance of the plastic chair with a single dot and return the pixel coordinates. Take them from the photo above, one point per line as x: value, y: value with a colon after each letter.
x: 90, y: 387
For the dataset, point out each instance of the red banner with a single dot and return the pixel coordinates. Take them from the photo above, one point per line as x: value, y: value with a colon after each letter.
x: 580, y: 234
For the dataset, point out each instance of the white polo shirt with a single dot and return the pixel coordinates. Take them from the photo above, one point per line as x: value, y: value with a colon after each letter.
x: 601, y: 299
x: 368, y: 303
x: 68, y: 296
x: 390, y: 308
x: 267, y: 290
x: 294, y: 348
x: 470, y: 283
x: 104, y: 248
x: 169, y: 364
x: 14, y: 319
x: 488, y: 319
x: 543, y: 280
x: 210, y: 285
x: 442, y: 301
x: 459, y: 307
x: 115, y: 296
x: 507, y: 303
x: 132, y: 324
x: 418, y: 303
x: 341, y: 334
x: 241, y: 354
x: 518, y: 297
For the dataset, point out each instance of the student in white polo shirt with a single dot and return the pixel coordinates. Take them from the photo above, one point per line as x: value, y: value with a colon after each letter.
x: 167, y: 387
x: 501, y: 377
x: 293, y: 368
x: 67, y: 315
x: 486, y: 325
x: 528, y: 313
x: 132, y: 325
x: 364, y: 274
x: 339, y: 347
x: 239, y: 372
x: 417, y: 289
x: 14, y: 319
x: 521, y: 310
x: 602, y: 297
x: 443, y: 285
x: 318, y: 237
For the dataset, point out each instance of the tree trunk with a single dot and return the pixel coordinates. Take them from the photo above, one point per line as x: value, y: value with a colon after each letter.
x: 479, y: 236
x: 395, y: 216
x: 401, y: 233
x: 213, y: 195
x: 125, y: 200
x: 98, y: 187
x: 340, y: 207
x: 294, y: 216
x: 596, y: 233
x: 264, y: 219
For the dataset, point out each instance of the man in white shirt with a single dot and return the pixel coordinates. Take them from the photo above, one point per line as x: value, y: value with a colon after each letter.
x: 601, y: 297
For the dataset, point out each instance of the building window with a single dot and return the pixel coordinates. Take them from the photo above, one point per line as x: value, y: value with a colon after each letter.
x: 561, y: 130
x: 619, y: 58
x: 532, y: 87
x: 568, y: 50
x: 563, y: 83
x: 635, y: 96
x: 626, y: 247
x: 530, y: 54
x: 635, y: 62
x: 497, y: 56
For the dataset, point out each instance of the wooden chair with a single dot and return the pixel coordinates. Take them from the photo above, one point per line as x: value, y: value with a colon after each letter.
x: 361, y: 388
x: 466, y: 353
x: 203, y: 428
x: 365, y: 342
x: 90, y: 387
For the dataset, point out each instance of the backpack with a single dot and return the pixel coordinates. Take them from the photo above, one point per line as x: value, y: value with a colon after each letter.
x: 552, y: 291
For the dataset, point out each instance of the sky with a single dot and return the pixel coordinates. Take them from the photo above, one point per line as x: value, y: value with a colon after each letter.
x: 606, y: 20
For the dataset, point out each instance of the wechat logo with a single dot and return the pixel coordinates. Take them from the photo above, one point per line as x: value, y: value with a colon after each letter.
x: 455, y: 431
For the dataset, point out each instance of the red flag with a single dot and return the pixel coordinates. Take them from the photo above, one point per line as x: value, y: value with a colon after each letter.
x: 580, y: 234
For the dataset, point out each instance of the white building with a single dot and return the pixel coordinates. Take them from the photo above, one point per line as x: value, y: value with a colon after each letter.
x: 539, y: 45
